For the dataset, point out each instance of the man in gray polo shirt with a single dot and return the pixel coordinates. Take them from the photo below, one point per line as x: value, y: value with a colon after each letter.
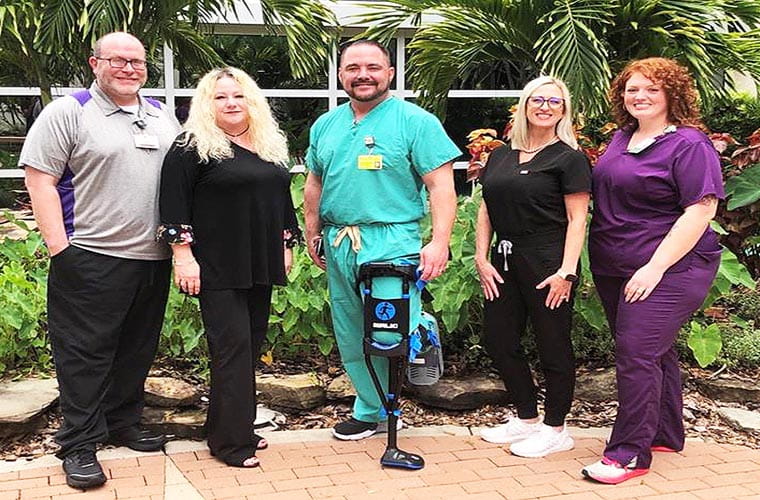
x: 93, y: 161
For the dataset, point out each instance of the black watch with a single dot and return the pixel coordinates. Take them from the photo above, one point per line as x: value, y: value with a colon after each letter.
x: 572, y: 278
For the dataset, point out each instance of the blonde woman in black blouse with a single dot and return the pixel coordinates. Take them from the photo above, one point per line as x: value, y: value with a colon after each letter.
x: 227, y: 213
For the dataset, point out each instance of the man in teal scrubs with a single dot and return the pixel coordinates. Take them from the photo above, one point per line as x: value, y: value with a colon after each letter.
x: 370, y: 162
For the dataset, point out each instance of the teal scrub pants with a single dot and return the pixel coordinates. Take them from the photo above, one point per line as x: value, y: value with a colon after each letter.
x: 379, y: 243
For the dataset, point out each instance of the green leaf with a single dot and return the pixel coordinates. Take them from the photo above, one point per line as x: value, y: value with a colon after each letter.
x: 740, y: 322
x: 326, y: 344
x: 743, y: 189
x: 733, y: 270
x: 705, y: 343
x: 715, y: 225
x: 591, y: 310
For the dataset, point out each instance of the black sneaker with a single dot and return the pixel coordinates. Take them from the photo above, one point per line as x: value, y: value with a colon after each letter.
x: 83, y: 469
x: 353, y: 430
x: 137, y: 439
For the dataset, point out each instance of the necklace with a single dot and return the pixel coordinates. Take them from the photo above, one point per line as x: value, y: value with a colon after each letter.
x: 539, y: 148
x: 237, y: 135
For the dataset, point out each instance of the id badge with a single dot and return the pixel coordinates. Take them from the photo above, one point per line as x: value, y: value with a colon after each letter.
x: 146, y: 141
x: 370, y: 162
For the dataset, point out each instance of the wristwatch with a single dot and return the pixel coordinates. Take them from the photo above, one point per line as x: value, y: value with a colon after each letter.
x: 572, y: 278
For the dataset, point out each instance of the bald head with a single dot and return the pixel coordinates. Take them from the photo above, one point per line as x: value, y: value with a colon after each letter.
x: 116, y: 38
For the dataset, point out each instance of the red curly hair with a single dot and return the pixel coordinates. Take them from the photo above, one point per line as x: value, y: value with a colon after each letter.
x: 681, y: 93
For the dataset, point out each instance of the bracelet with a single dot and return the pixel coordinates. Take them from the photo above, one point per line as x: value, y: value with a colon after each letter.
x: 176, y: 263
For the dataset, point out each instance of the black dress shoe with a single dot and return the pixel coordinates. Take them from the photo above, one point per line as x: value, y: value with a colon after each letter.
x: 83, y: 469
x: 137, y: 439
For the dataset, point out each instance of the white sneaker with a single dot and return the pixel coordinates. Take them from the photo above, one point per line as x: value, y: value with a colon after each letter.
x: 542, y: 443
x: 383, y: 426
x: 514, y: 430
x: 609, y: 471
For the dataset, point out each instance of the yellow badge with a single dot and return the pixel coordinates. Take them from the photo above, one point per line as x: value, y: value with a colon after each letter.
x: 370, y: 162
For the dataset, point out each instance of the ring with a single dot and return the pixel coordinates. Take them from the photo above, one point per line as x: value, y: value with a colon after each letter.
x: 563, y: 296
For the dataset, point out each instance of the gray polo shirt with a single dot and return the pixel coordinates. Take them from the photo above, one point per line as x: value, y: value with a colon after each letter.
x: 107, y: 184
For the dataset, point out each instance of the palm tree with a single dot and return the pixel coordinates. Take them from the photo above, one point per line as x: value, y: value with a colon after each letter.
x: 580, y: 41
x: 35, y: 35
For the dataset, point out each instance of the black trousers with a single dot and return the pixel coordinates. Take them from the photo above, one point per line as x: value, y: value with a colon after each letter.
x: 236, y: 325
x: 505, y: 321
x: 104, y: 319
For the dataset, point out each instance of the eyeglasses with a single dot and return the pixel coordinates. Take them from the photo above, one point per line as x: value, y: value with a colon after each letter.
x: 120, y: 62
x: 537, y: 101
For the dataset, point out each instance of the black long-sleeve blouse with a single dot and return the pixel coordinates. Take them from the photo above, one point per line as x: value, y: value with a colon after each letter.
x: 234, y: 210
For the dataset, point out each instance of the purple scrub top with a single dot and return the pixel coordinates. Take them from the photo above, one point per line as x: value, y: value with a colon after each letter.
x: 638, y: 197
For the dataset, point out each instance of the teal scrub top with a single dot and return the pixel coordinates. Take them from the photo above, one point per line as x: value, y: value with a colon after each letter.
x: 410, y: 140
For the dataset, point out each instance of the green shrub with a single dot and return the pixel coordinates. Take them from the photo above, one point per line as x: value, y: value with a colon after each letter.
x: 23, y: 288
x: 737, y: 116
x: 741, y: 346
x: 742, y: 302
x: 300, y: 316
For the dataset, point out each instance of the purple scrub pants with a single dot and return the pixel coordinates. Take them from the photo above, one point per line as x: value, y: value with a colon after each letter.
x: 650, y: 400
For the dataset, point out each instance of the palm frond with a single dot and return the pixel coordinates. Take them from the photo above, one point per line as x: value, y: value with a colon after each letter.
x: 310, y: 29
x: 454, y: 48
x: 570, y: 48
x: 60, y: 20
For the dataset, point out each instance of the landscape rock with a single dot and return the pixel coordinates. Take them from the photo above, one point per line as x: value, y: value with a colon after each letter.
x: 181, y: 423
x: 742, y: 420
x: 601, y: 385
x: 168, y: 392
x: 297, y: 392
x: 460, y: 394
x: 24, y: 404
x: 340, y: 388
x: 596, y: 386
x: 730, y: 390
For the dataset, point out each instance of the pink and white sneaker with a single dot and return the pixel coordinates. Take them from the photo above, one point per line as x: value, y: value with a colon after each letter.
x: 610, y: 471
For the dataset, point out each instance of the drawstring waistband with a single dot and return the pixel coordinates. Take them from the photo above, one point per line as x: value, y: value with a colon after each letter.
x: 504, y: 248
x: 353, y: 234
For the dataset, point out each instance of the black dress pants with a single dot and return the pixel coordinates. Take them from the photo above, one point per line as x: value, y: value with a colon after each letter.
x: 104, y: 320
x: 504, y: 323
x: 236, y: 324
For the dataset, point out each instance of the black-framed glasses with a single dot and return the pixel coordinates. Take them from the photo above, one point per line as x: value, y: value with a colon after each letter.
x: 536, y: 101
x: 120, y: 62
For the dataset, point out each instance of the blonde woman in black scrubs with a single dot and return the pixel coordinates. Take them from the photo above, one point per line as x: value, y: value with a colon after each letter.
x: 535, y: 198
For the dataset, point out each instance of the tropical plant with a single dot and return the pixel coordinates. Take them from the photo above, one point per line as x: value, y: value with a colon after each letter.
x: 23, y: 287
x: 739, y: 216
x: 36, y: 36
x: 580, y: 41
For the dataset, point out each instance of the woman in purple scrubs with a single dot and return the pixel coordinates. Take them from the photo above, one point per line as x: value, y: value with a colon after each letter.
x: 653, y: 255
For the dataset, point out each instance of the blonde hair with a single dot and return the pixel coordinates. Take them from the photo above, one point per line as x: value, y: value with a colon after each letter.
x: 268, y: 141
x: 518, y: 136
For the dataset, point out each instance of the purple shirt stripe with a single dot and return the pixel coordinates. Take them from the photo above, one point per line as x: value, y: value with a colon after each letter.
x: 82, y: 96
x: 65, y: 189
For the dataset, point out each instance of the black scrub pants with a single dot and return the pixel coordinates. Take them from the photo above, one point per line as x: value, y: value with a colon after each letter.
x: 104, y: 320
x: 236, y: 324
x: 504, y: 323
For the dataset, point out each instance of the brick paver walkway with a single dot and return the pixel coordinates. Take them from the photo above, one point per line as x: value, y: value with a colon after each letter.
x: 310, y: 466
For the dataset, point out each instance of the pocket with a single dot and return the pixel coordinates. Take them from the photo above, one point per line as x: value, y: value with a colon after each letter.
x: 62, y: 252
x: 684, y: 264
x: 65, y: 271
x: 546, y: 259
